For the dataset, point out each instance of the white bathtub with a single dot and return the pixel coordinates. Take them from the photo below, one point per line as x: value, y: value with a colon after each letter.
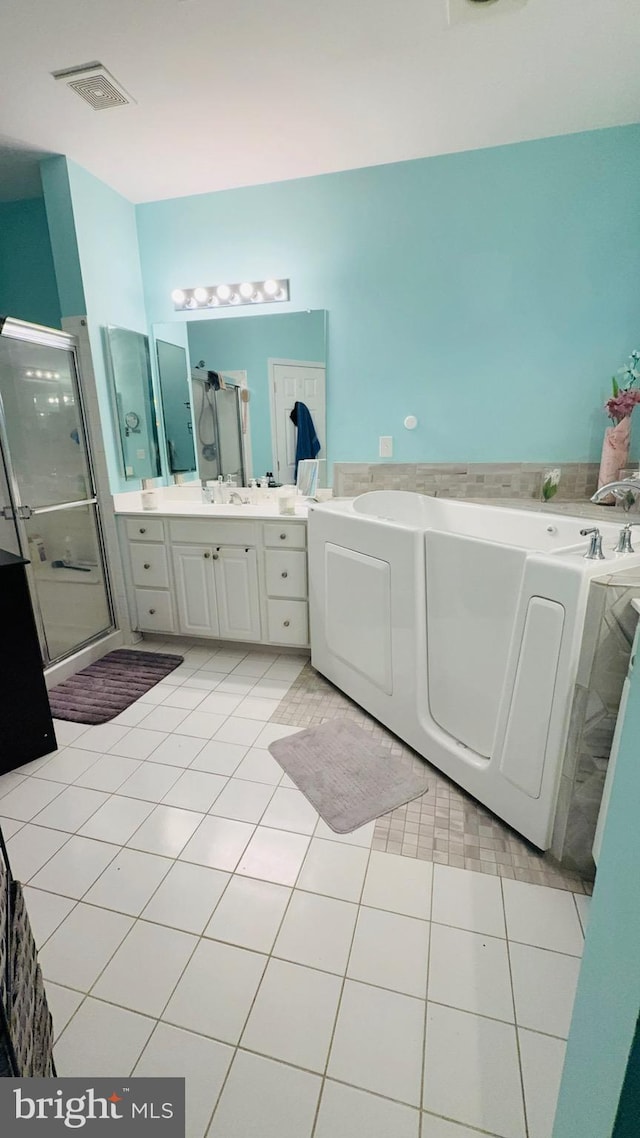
x: 459, y: 626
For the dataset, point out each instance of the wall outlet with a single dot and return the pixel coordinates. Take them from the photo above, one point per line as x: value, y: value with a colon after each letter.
x: 386, y: 446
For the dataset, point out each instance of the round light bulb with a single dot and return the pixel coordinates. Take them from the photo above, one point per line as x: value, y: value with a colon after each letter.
x: 246, y: 290
x: 271, y: 287
x: 178, y: 296
x: 223, y: 292
x: 56, y: 375
x: 38, y: 375
x: 201, y: 295
x: 29, y: 373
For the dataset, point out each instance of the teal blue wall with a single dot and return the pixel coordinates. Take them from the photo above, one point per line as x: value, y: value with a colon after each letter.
x: 608, y: 996
x: 95, y: 245
x: 245, y: 345
x: 64, y: 243
x: 491, y: 293
x: 28, y: 288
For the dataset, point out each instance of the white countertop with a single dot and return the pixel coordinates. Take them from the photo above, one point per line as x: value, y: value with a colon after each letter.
x: 186, y: 502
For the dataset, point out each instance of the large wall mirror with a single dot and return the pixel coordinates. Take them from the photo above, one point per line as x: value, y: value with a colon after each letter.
x: 134, y: 410
x: 229, y: 385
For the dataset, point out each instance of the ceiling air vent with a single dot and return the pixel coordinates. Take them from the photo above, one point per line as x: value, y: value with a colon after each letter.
x: 464, y: 11
x: 93, y: 83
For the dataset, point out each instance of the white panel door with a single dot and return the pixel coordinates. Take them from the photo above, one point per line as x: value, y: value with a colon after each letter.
x: 236, y: 577
x: 291, y: 383
x: 195, y: 590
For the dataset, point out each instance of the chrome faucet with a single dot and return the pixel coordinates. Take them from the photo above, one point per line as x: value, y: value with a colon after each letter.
x: 624, y: 541
x: 594, y: 552
x: 235, y: 499
x: 619, y: 489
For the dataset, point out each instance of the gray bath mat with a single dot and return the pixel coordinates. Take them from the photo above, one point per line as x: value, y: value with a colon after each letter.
x: 101, y: 691
x: 348, y: 776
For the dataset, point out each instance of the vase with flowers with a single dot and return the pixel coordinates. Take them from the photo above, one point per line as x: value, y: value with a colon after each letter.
x: 619, y: 407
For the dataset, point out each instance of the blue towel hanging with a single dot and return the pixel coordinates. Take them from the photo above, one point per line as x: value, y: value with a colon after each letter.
x: 307, y: 441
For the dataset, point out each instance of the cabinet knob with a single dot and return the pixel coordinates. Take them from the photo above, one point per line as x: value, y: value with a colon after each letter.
x: 246, y: 549
x: 284, y: 573
x: 143, y: 529
x: 215, y: 556
x: 283, y: 537
x: 286, y: 623
x: 152, y: 612
x: 147, y: 565
x: 207, y: 554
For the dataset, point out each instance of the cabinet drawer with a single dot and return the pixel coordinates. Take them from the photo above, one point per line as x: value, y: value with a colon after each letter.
x: 286, y: 573
x: 283, y: 534
x: 144, y: 529
x: 155, y: 610
x: 288, y: 622
x: 201, y: 531
x: 149, y: 565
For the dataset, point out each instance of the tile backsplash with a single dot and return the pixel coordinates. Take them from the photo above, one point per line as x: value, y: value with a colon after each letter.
x: 464, y: 480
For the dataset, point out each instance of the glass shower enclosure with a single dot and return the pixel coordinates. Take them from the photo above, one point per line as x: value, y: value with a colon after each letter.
x: 49, y: 510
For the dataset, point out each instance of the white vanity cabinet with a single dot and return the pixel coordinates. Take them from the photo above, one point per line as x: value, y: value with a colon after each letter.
x: 196, y: 600
x: 236, y: 579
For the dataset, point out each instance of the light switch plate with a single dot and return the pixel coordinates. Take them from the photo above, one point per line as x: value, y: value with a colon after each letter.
x: 386, y: 446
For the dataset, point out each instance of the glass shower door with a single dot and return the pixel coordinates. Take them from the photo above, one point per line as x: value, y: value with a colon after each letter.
x: 52, y: 496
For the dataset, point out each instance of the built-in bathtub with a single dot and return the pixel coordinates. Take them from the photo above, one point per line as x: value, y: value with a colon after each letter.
x: 458, y: 626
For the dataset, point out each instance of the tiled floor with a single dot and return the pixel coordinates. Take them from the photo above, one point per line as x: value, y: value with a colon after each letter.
x: 445, y: 825
x: 196, y: 918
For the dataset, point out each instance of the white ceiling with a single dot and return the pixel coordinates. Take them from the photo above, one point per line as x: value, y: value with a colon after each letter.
x: 239, y: 92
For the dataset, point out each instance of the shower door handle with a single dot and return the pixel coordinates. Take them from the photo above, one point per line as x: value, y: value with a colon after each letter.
x: 22, y: 512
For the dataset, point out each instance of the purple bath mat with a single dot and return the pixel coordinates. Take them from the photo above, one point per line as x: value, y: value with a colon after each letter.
x: 101, y: 691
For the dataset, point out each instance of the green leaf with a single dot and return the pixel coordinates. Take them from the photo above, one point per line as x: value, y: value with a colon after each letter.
x: 615, y: 386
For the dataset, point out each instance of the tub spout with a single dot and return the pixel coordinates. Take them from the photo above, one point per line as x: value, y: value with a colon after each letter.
x: 618, y: 489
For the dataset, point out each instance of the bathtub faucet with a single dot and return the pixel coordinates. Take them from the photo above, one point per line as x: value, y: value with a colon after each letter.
x: 594, y: 552
x: 618, y: 489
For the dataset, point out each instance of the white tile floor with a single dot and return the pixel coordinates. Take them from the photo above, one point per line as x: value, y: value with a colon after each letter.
x: 195, y: 917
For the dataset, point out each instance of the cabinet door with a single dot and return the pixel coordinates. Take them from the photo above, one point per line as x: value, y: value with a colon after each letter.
x: 236, y: 577
x: 195, y: 591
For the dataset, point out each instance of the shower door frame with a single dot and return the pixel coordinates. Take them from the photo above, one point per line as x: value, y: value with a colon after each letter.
x: 22, y: 512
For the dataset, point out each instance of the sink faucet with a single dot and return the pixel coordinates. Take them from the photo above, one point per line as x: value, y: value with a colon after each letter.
x: 619, y: 489
x: 235, y: 499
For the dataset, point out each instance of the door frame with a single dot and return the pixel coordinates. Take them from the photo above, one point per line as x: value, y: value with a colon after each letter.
x: 271, y: 364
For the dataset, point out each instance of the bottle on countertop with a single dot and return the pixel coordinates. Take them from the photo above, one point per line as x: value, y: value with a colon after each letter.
x: 69, y: 553
x: 37, y: 551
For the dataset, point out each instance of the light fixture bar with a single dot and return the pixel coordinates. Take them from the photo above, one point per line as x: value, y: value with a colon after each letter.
x: 272, y: 291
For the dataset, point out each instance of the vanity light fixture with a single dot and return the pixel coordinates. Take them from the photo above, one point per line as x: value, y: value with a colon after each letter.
x: 245, y: 292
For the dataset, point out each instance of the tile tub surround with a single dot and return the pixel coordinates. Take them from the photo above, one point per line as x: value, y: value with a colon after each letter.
x: 604, y: 659
x: 519, y: 480
x: 289, y: 975
x: 446, y: 825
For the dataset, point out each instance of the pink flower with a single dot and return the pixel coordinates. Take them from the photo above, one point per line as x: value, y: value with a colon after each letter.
x: 622, y: 404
